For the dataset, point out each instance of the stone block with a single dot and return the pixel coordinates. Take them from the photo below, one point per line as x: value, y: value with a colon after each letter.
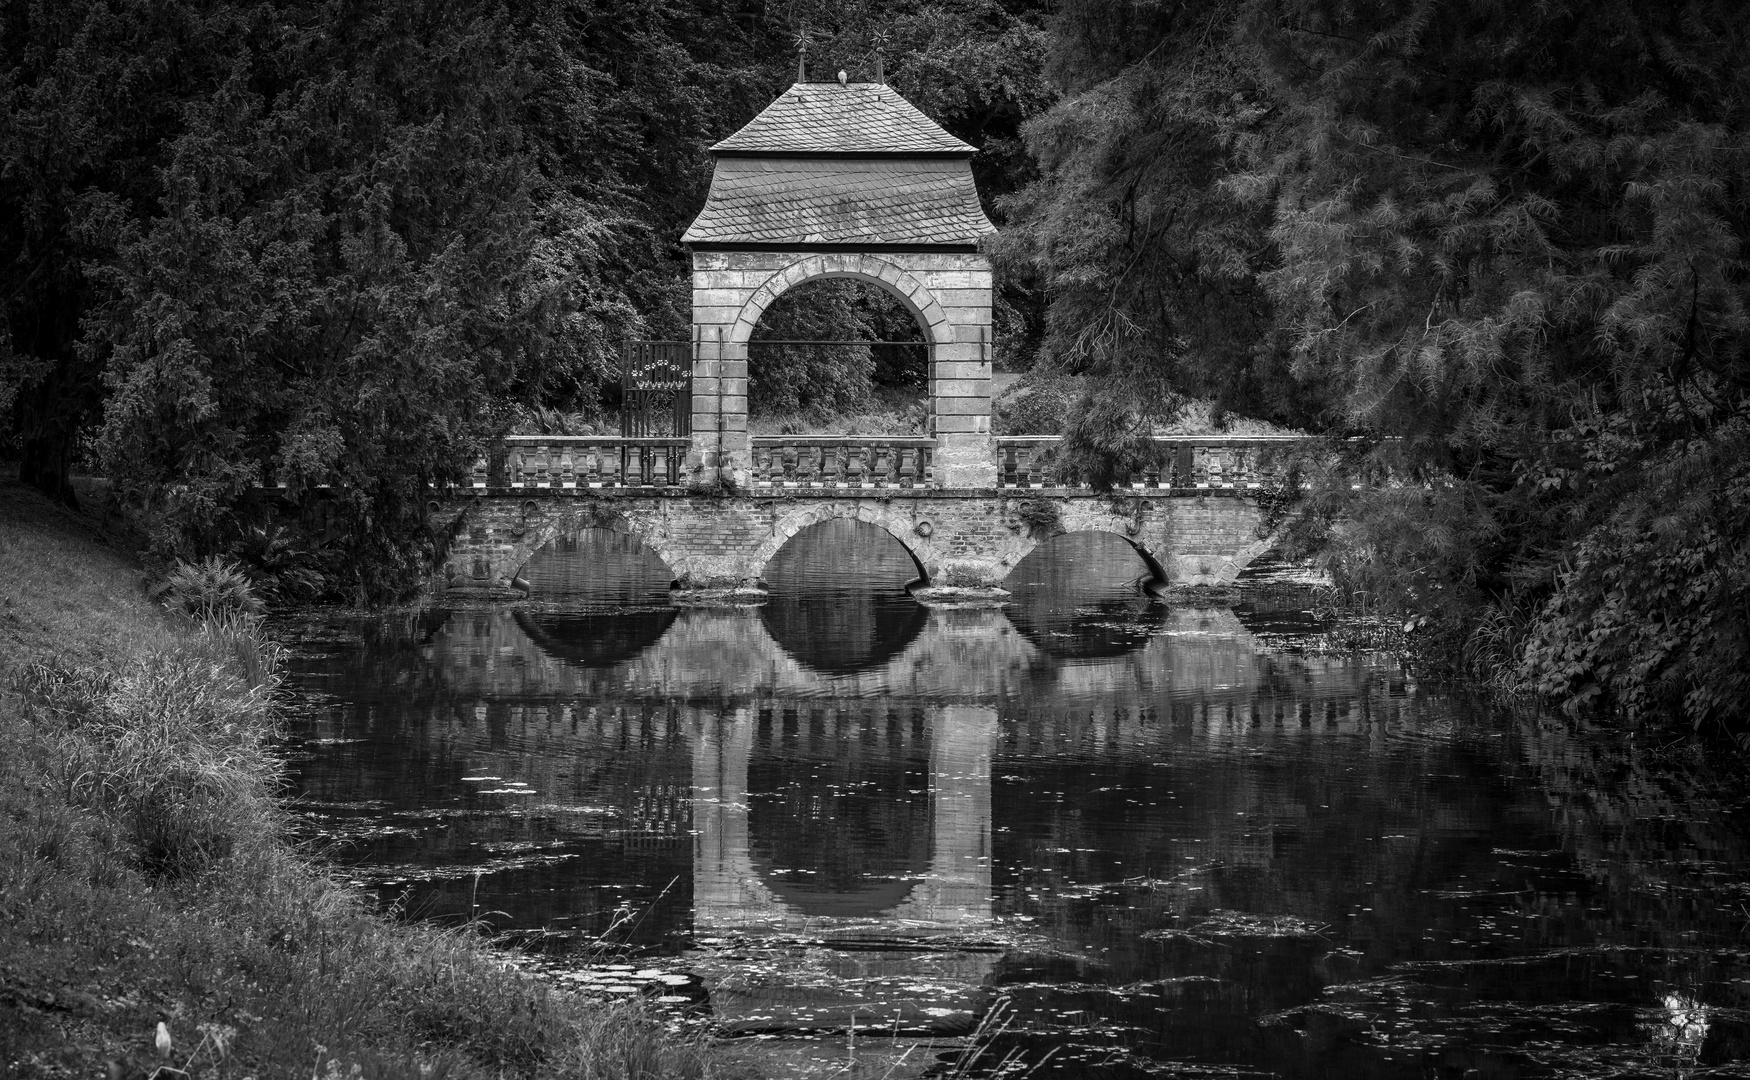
x: 960, y: 351
x: 971, y: 405
x: 718, y: 298
x: 937, y: 280
x: 739, y: 260
x: 709, y: 316
x: 961, y: 388
x: 961, y: 424
x: 975, y: 299
x: 962, y: 369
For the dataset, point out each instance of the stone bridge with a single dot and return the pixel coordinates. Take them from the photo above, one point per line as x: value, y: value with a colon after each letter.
x: 1200, y: 519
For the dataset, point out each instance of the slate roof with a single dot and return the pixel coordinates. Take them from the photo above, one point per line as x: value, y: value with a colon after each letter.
x: 839, y: 165
x: 826, y: 118
x: 870, y: 202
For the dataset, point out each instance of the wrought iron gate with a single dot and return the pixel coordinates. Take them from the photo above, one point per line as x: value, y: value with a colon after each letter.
x: 656, y: 389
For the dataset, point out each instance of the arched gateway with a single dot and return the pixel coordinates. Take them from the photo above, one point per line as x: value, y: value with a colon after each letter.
x: 843, y: 180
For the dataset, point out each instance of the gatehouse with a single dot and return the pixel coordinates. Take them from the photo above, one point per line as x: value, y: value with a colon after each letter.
x: 843, y: 180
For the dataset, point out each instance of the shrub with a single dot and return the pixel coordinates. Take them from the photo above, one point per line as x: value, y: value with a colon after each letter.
x: 1040, y: 517
x: 214, y: 589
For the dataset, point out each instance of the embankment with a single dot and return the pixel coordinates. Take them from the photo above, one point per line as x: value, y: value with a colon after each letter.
x: 145, y: 877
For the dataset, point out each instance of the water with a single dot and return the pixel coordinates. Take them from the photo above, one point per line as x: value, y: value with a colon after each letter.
x: 1086, y: 835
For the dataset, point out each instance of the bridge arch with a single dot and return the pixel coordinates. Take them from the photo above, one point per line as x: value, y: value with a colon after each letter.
x: 538, y: 533
x: 882, y: 273
x: 902, y: 526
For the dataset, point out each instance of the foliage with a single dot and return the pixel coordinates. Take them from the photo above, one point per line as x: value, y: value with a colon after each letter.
x: 1148, y: 265
x: 1650, y: 612
x: 820, y: 380
x: 210, y: 590
x: 1509, y: 237
x: 281, y: 570
x: 1040, y: 517
x: 1036, y: 404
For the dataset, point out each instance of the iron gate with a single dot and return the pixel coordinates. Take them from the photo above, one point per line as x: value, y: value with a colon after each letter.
x: 656, y: 389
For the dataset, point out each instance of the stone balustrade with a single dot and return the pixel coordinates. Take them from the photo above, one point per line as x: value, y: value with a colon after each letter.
x: 881, y: 461
x: 1184, y: 462
x: 583, y: 461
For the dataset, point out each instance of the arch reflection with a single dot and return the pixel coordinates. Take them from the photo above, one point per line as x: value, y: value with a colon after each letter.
x: 838, y: 808
x: 1082, y: 596
x: 596, y: 639
x: 838, y: 603
x: 931, y: 855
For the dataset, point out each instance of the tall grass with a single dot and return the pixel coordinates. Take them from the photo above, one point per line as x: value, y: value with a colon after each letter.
x: 145, y: 877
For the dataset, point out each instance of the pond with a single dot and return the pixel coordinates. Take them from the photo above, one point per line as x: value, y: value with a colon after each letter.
x: 1085, y: 834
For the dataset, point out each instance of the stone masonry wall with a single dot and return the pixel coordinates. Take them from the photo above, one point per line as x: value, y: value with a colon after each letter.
x: 969, y: 538
x: 949, y: 293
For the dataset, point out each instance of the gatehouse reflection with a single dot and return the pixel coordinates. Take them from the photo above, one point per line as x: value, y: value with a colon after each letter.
x: 851, y: 840
x: 837, y: 821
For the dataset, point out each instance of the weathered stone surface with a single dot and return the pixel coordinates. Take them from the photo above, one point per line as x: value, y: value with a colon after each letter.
x: 948, y: 293
x: 966, y: 539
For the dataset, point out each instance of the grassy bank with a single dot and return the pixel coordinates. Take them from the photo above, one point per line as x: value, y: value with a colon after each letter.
x: 144, y: 878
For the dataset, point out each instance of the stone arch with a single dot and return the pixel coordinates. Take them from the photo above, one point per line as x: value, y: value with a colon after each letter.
x: 538, y: 534
x: 902, y: 526
x: 888, y: 276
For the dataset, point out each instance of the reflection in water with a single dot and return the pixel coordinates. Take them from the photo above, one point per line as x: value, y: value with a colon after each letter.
x: 1080, y: 597
x: 838, y: 808
x: 838, y: 602
x: 1198, y: 855
x: 596, y: 639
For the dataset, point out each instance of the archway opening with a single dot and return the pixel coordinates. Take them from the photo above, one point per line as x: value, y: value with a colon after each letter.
x: 1084, y: 596
x: 596, y: 597
x: 837, y: 599
x: 812, y: 369
x: 840, y: 811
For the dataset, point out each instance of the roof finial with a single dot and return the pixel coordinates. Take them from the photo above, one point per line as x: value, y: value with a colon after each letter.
x: 802, y: 43
x: 880, y: 50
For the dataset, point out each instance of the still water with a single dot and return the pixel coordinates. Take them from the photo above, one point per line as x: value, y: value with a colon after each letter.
x: 1088, y: 834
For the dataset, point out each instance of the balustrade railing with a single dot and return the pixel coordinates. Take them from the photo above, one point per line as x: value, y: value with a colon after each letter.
x: 583, y: 461
x: 843, y: 461
x: 1185, y: 462
x: 1181, y: 462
